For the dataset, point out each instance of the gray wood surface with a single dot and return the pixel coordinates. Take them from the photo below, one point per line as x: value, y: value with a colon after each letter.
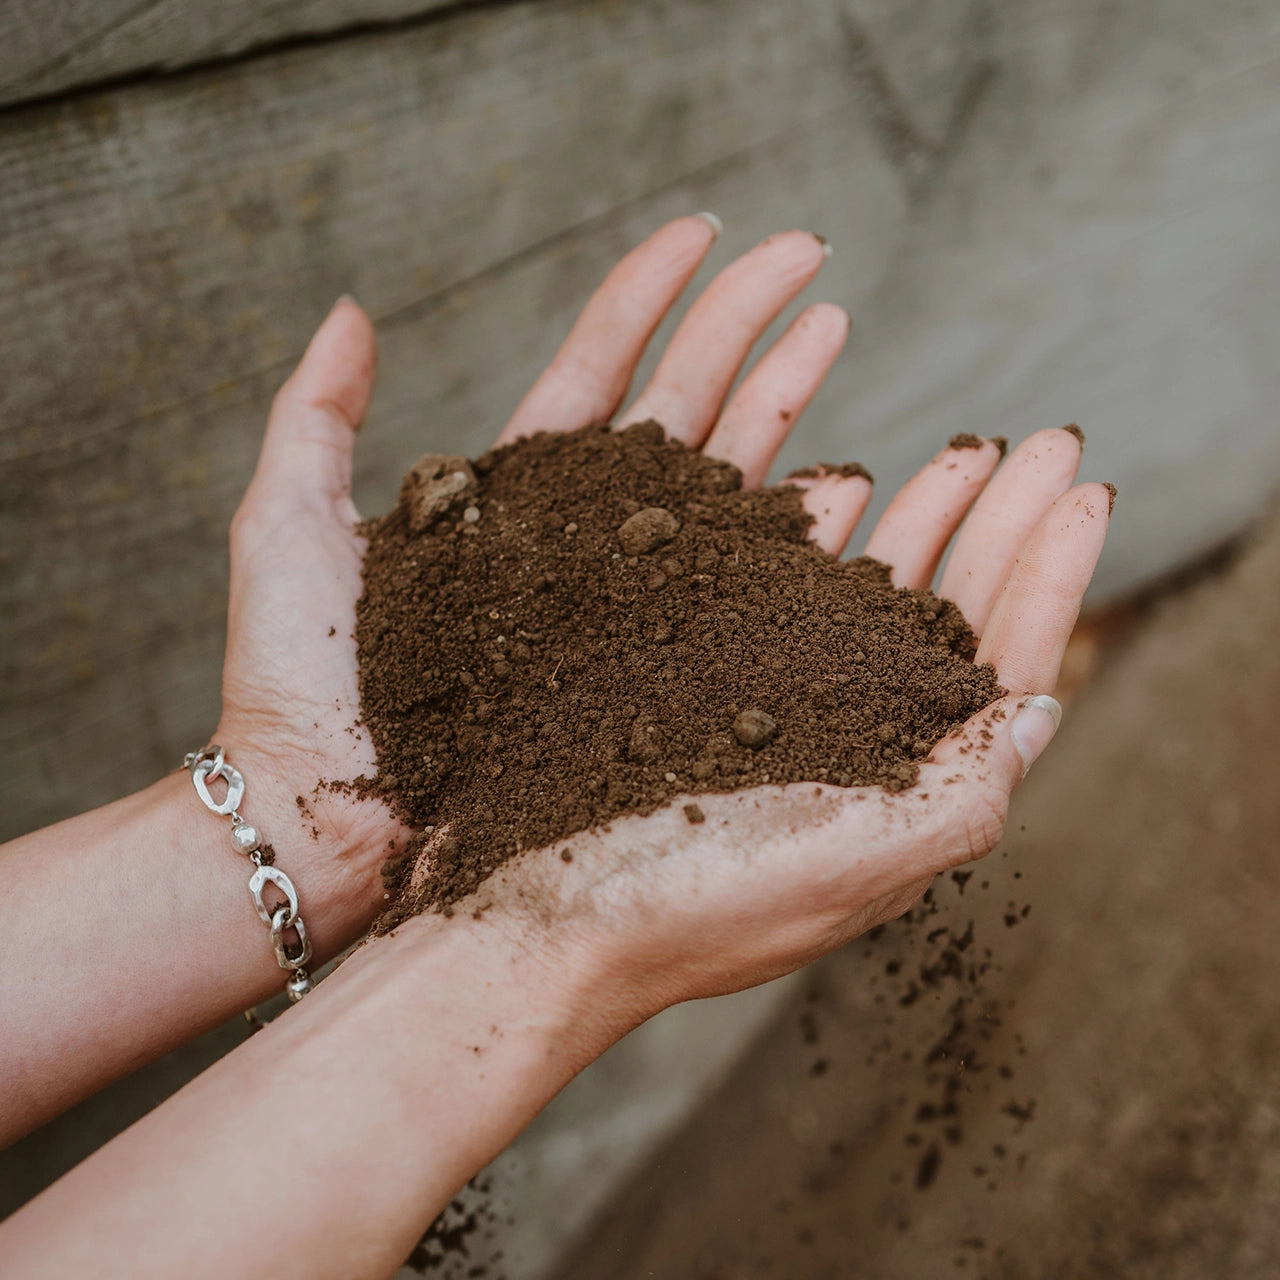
x: 1026, y: 235
x: 47, y: 46
x: 178, y: 242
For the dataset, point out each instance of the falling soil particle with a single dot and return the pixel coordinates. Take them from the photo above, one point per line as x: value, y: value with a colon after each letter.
x: 521, y: 682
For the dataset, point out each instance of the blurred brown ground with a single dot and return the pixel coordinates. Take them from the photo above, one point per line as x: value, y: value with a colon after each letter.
x: 1138, y: 1009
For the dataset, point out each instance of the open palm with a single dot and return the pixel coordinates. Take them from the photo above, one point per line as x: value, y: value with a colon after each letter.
x: 1017, y: 571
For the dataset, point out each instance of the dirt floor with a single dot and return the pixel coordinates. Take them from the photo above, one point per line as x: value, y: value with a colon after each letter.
x: 1123, y: 1118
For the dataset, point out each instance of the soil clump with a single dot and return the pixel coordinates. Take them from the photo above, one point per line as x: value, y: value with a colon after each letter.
x: 583, y: 625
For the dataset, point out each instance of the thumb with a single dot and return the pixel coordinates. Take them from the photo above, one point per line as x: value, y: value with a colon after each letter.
x: 969, y: 777
x: 306, y: 456
x: 1000, y: 743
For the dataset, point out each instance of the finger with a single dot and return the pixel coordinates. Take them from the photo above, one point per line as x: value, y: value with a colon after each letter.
x: 699, y: 366
x: 1034, y: 613
x: 836, y: 503
x: 776, y: 392
x: 1039, y: 470
x: 306, y: 455
x: 917, y: 525
x: 956, y: 810
x: 593, y: 369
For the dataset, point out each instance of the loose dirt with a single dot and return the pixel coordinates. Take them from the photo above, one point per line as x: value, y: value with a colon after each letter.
x: 582, y: 625
x: 1134, y: 1012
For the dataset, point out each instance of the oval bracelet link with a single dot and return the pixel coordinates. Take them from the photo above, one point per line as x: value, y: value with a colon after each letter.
x: 205, y: 772
x: 209, y: 765
x: 282, y: 882
x: 279, y: 923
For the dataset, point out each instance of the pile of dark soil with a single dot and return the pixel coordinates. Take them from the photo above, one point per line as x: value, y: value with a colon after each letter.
x: 583, y: 625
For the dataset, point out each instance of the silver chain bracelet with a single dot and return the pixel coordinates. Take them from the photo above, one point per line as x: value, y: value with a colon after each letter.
x: 206, y: 766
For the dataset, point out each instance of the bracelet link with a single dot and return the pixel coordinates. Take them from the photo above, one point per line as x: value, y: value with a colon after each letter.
x: 257, y: 882
x: 279, y: 923
x: 206, y: 769
x: 209, y: 765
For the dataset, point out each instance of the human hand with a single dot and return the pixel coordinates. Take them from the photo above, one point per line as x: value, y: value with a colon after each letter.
x: 291, y: 681
x: 435, y: 1045
x: 661, y: 910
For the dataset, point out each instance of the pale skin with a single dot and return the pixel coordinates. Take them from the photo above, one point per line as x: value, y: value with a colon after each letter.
x: 326, y: 1145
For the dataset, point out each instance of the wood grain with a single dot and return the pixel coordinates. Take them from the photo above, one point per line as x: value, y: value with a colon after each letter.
x: 1060, y: 250
x: 50, y: 46
x: 179, y: 242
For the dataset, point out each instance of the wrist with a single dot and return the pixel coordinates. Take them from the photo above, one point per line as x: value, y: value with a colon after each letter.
x: 522, y: 999
x: 331, y: 844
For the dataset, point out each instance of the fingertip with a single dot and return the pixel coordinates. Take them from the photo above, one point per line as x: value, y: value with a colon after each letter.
x: 828, y: 316
x: 836, y: 500
x: 1033, y: 727
x: 337, y: 370
x: 1086, y: 506
x: 306, y: 455
x: 994, y: 748
x: 713, y: 221
x: 1098, y: 497
x: 809, y: 251
x: 685, y: 237
x: 976, y: 454
x: 1054, y: 443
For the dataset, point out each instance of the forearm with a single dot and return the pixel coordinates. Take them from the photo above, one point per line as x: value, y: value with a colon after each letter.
x: 326, y: 1145
x: 129, y: 930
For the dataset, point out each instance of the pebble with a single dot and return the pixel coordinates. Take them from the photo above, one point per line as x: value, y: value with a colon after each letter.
x: 755, y: 728
x: 647, y: 530
x: 471, y: 515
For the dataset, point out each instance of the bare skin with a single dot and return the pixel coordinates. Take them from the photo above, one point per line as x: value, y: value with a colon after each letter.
x: 430, y: 1049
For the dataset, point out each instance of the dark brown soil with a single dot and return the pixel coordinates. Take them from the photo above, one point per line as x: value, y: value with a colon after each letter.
x: 821, y: 470
x: 1137, y: 1006
x: 596, y: 623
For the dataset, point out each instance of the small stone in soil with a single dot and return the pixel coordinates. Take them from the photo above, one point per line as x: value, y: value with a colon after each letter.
x: 755, y: 728
x: 647, y: 530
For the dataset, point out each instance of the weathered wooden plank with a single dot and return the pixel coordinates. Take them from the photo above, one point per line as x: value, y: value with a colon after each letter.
x: 170, y: 247
x: 180, y: 232
x: 48, y: 46
x: 178, y: 242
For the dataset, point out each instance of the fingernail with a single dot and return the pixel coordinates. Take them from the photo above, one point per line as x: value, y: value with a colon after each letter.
x: 1034, y: 726
x: 827, y: 250
x: 1073, y: 429
x: 343, y: 297
x: 712, y: 221
x: 1111, y: 496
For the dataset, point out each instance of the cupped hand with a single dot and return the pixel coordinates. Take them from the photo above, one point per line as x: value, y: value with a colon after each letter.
x: 658, y: 909
x: 776, y: 875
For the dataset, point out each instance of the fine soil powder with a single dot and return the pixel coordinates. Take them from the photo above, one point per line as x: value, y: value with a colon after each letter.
x: 583, y: 625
